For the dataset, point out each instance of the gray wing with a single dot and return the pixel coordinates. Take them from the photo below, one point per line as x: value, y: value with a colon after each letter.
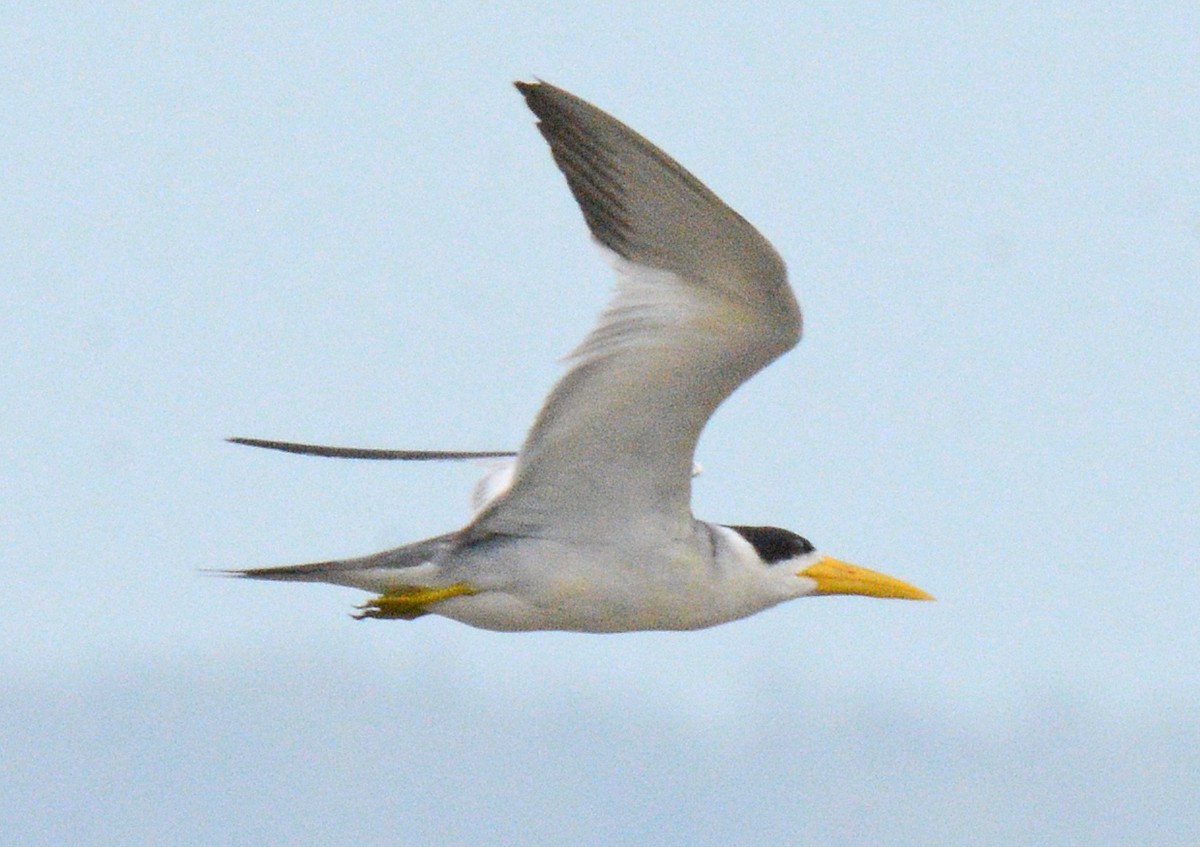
x: 369, y: 452
x: 702, y: 304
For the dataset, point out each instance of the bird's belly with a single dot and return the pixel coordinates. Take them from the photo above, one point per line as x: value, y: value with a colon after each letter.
x: 601, y: 594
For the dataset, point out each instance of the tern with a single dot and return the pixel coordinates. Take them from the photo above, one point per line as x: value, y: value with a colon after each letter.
x: 589, y: 526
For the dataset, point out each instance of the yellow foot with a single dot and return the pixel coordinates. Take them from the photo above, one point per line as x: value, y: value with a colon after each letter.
x: 408, y: 603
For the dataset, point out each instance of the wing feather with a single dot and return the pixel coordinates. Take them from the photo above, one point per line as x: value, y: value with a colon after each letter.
x: 702, y: 303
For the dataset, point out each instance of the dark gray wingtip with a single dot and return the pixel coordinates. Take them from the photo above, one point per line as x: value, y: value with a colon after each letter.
x: 369, y: 452
x: 579, y: 136
x: 645, y: 206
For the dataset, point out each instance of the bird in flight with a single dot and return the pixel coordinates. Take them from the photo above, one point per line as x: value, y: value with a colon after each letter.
x: 589, y: 527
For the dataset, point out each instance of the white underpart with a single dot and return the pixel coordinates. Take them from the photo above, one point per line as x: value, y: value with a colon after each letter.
x: 550, y: 585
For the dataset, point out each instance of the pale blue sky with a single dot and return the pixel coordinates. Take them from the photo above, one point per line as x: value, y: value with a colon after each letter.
x: 340, y: 225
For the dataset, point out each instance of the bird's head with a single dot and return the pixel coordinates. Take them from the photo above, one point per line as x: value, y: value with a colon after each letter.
x: 821, y: 574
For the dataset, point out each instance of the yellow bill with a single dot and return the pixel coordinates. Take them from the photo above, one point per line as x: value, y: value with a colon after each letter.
x: 837, y: 577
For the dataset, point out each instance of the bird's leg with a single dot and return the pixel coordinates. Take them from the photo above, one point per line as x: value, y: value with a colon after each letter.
x: 409, y: 602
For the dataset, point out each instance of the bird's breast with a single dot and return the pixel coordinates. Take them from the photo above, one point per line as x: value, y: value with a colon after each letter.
x: 553, y: 585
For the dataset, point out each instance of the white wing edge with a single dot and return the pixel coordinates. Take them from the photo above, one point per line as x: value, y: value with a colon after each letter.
x: 499, y: 478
